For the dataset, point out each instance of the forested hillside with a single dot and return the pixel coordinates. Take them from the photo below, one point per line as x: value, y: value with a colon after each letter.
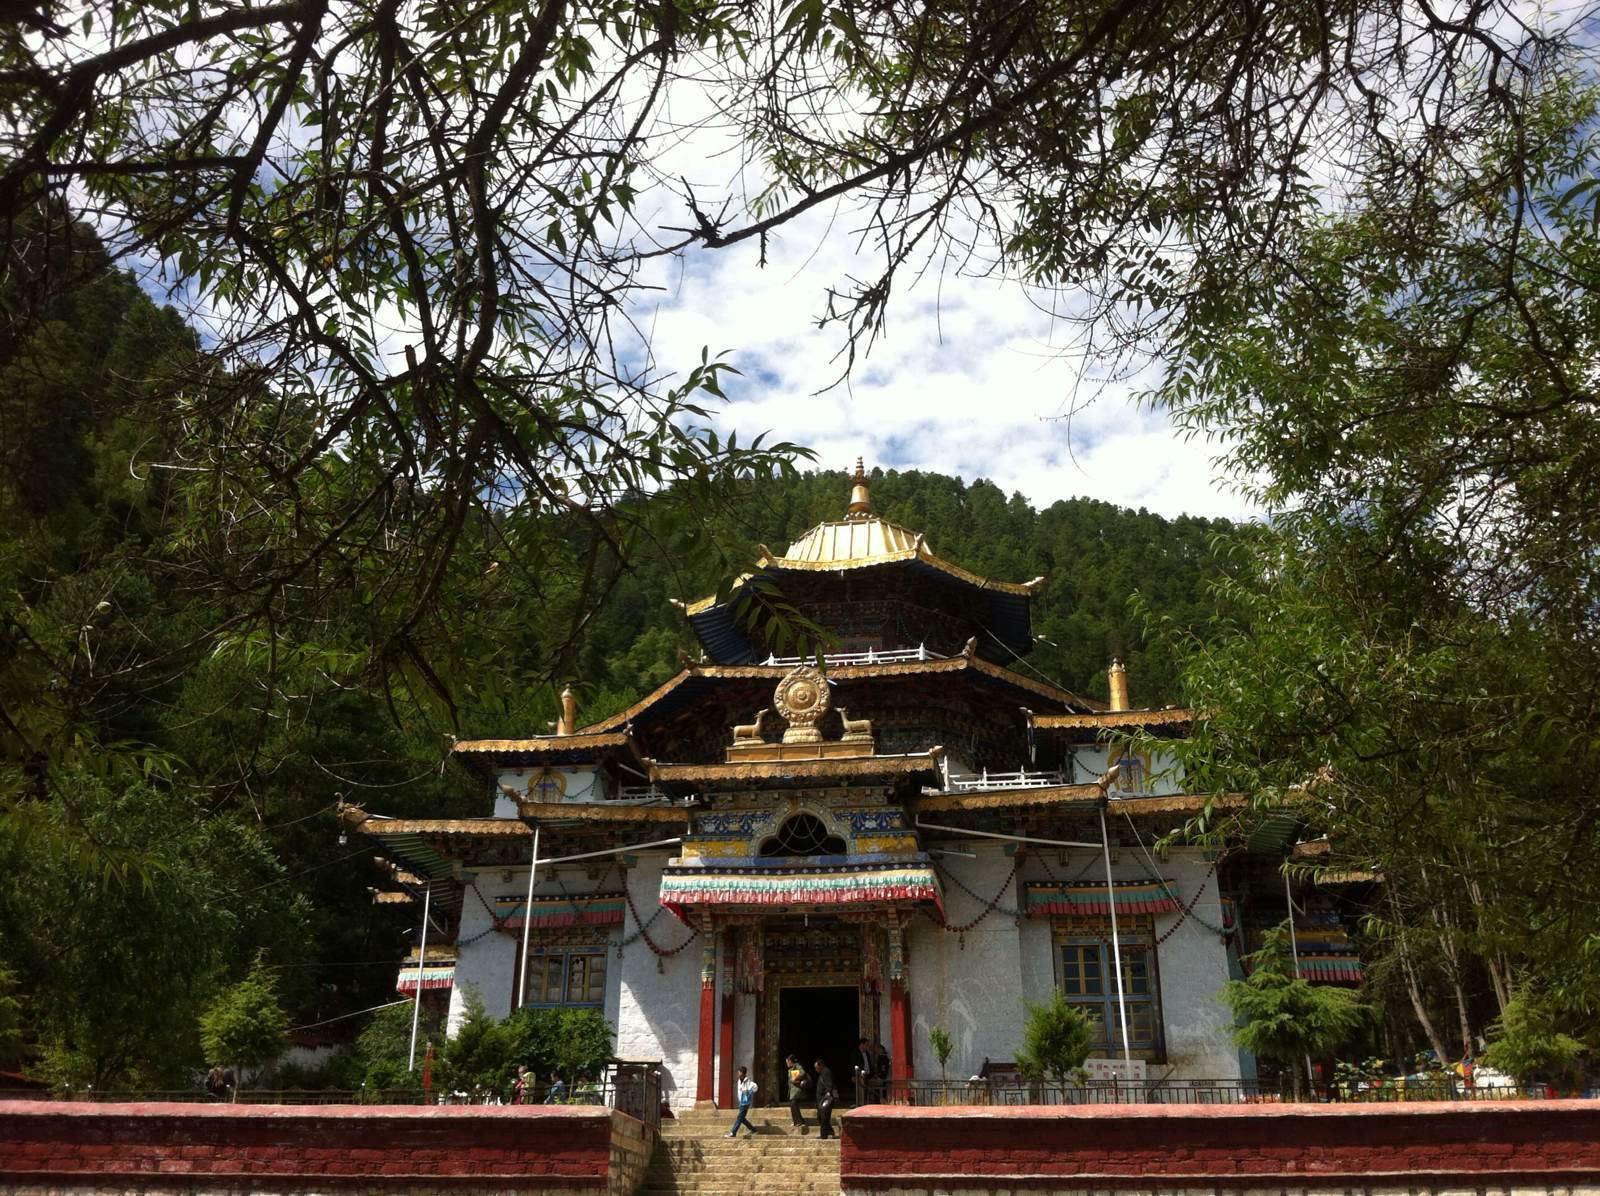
x: 174, y: 743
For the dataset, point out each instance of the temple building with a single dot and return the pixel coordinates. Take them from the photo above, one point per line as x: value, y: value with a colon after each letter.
x: 766, y: 856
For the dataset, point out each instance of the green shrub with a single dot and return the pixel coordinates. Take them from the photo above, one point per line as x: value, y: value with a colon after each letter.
x: 939, y: 1039
x: 1055, y: 1041
x: 1529, y: 1042
x: 482, y: 1055
x: 1281, y: 1017
x: 383, y: 1048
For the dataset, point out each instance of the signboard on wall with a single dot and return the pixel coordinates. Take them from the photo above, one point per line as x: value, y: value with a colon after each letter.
x: 1115, y: 1069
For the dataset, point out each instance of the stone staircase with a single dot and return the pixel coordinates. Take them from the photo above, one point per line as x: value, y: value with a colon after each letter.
x: 694, y: 1157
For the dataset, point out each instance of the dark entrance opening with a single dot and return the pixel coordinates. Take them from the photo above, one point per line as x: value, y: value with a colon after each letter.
x: 819, y: 1023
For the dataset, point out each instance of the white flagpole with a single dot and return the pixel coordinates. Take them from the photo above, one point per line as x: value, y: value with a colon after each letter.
x: 1116, y: 944
x: 422, y: 965
x: 527, y: 919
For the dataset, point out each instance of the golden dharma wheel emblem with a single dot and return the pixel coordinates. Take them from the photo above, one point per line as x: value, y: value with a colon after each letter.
x: 802, y: 699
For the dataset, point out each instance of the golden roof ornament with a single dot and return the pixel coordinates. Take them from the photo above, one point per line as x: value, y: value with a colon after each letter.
x: 1117, y: 677
x: 802, y: 698
x: 860, y: 497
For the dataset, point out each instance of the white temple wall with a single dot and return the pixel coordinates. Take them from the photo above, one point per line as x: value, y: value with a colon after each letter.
x: 744, y: 1038
x: 1194, y: 965
x: 972, y: 990
x: 485, y: 963
x: 489, y: 965
x: 980, y: 993
x: 658, y: 1011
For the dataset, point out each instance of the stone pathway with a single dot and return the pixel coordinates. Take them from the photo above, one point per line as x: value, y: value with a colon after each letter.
x: 695, y: 1157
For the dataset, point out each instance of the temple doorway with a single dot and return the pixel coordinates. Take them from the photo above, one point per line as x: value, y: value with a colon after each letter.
x: 816, y: 1022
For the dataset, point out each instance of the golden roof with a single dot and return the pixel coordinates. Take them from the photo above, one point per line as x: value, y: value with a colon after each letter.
x: 848, y: 541
x: 355, y: 818
x: 858, y: 541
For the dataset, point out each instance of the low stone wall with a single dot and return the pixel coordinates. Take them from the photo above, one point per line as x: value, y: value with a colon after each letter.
x: 77, y: 1148
x: 1521, y: 1147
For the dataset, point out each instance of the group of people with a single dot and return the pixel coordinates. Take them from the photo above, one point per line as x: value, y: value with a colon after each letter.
x: 525, y: 1088
x: 871, y: 1066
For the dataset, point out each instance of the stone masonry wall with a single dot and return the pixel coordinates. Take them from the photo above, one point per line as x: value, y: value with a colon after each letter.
x: 1521, y: 1147
x: 70, y: 1147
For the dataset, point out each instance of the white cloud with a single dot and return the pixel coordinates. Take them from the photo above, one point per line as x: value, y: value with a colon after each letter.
x: 969, y: 378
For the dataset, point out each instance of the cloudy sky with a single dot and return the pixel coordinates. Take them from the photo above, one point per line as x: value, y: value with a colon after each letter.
x: 970, y: 378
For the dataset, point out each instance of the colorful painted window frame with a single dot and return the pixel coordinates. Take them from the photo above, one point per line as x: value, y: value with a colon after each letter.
x: 567, y: 969
x: 1082, y: 952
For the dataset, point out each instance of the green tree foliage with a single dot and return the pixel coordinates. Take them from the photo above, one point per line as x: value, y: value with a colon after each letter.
x: 117, y: 970
x: 480, y: 1058
x: 244, y: 1026
x: 1532, y: 1042
x: 574, y: 1043
x: 383, y: 1048
x: 1404, y: 658
x: 1282, y: 1018
x: 1056, y: 1039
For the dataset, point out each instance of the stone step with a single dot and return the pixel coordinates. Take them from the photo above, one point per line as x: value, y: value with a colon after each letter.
x: 734, y: 1186
x: 754, y: 1148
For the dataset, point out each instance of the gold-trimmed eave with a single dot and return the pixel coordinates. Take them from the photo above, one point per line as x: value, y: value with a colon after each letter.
x: 1086, y: 796
x: 608, y: 812
x: 484, y: 756
x: 919, y: 552
x: 582, y: 741
x: 1099, y: 720
x: 851, y: 768
x: 847, y: 672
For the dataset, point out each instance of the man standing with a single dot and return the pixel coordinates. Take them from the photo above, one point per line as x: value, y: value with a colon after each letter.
x: 827, y: 1093
x: 866, y: 1067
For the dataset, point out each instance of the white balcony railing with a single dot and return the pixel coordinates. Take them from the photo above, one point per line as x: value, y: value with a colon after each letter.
x: 986, y: 780
x: 870, y: 656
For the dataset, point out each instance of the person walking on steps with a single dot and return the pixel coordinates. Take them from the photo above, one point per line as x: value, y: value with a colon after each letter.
x: 827, y: 1094
x: 799, y: 1085
x: 745, y: 1089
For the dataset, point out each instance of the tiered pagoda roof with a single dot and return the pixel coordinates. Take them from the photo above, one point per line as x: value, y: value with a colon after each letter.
x: 841, y: 567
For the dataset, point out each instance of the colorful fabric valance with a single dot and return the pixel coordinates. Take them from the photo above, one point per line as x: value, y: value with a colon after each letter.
x: 553, y: 913
x: 1331, y: 969
x: 1049, y: 899
x: 432, y: 977
x: 836, y: 888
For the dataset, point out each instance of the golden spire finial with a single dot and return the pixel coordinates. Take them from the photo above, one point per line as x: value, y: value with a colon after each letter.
x: 567, y: 724
x: 1118, y: 677
x: 860, y: 499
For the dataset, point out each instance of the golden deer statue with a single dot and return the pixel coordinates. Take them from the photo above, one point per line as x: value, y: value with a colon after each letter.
x: 746, y: 733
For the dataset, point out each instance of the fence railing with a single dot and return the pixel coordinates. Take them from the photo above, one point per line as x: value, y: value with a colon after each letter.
x: 632, y: 1088
x: 1011, y: 1091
